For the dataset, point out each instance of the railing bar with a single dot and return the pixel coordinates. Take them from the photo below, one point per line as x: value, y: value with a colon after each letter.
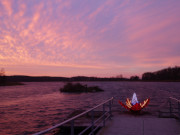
x: 84, y: 130
x: 88, y: 110
x: 98, y: 125
x: 92, y: 120
x: 107, y: 117
x: 77, y: 116
x: 174, y: 99
x: 94, y: 124
x: 47, y: 130
x: 100, y: 117
x: 104, y: 115
x: 110, y: 108
x: 173, y: 106
x: 94, y: 129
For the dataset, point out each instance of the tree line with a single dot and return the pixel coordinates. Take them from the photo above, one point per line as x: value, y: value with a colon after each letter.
x: 168, y: 74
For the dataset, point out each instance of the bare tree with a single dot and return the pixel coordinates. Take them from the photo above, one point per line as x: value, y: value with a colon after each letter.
x: 2, y: 72
x: 2, y: 76
x: 119, y: 76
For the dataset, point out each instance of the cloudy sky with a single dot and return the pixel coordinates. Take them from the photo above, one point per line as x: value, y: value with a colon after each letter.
x: 101, y: 38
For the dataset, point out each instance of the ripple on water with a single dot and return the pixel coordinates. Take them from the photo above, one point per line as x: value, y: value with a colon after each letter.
x: 36, y: 106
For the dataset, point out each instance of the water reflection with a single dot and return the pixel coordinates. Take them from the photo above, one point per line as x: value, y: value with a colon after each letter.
x: 36, y: 106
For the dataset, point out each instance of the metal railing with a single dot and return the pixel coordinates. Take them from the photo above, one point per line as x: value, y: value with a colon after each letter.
x: 174, y: 107
x: 95, y: 124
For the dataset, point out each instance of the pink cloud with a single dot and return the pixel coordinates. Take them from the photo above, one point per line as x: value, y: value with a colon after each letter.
x: 113, y: 36
x: 7, y: 6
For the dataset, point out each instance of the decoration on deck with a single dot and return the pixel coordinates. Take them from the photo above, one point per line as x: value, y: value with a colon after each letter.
x: 133, y: 105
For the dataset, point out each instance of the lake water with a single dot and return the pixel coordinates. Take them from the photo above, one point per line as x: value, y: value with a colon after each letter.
x: 33, y: 107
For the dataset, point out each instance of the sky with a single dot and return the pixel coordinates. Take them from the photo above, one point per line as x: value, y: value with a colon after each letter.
x: 101, y: 38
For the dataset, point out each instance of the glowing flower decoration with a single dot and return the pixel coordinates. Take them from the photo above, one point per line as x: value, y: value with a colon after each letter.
x: 133, y: 105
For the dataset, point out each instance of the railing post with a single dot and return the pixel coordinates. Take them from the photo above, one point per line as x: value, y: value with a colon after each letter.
x: 179, y: 109
x: 104, y: 115
x: 92, y: 121
x: 72, y: 127
x: 110, y: 109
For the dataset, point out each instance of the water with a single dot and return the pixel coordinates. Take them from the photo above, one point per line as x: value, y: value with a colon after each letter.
x: 36, y: 106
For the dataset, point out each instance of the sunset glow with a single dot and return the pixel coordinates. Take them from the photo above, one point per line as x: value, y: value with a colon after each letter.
x: 90, y: 38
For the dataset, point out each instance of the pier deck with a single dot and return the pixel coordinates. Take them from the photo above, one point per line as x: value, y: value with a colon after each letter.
x: 125, y: 125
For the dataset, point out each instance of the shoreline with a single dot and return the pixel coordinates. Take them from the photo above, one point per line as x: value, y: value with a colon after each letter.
x: 12, y: 84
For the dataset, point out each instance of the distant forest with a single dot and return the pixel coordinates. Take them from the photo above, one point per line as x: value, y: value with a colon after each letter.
x: 168, y: 74
x: 65, y: 79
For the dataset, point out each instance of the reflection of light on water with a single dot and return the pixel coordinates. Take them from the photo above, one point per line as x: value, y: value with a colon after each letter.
x: 134, y: 99
x: 36, y: 106
x: 35, y: 98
